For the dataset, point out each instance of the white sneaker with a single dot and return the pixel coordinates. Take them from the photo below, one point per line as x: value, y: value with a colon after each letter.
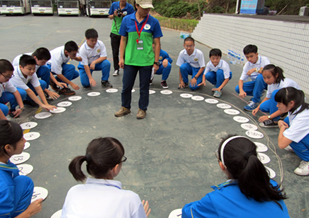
x: 289, y: 148
x: 116, y: 73
x: 302, y: 169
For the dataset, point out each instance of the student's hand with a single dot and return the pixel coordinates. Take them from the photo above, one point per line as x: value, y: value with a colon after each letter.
x: 242, y: 94
x: 250, y: 71
x: 92, y: 66
x: 121, y: 63
x: 182, y: 84
x: 48, y: 107
x: 255, y: 111
x: 263, y: 118
x: 74, y: 86
x: 193, y: 82
x: 216, y: 89
x: 282, y: 124
x: 92, y: 82
x: 115, y: 13
x: 17, y: 112
x: 61, y: 85
x: 202, y: 83
x: 146, y: 207
x: 165, y: 63
x: 155, y: 68
x: 53, y: 95
x: 35, y: 207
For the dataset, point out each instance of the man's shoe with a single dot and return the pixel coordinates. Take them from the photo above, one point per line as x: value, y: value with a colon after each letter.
x: 106, y: 84
x: 302, y: 169
x: 30, y: 103
x: 150, y: 81
x: 269, y: 124
x: 217, y: 94
x: 53, y: 85
x: 116, y: 73
x: 141, y: 114
x: 251, y: 106
x: 123, y: 111
x: 66, y: 91
x: 164, y: 84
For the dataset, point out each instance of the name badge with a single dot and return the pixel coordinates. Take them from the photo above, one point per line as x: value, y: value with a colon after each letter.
x: 139, y: 45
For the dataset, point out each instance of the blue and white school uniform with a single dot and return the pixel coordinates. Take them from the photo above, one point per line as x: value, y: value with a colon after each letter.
x: 270, y: 106
x: 217, y: 74
x: 58, y: 64
x: 89, y: 55
x: 255, y: 87
x: 165, y: 71
x: 190, y: 65
x: 228, y: 201
x: 102, y: 198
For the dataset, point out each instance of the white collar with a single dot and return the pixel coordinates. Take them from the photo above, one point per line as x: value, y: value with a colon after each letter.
x: 106, y: 182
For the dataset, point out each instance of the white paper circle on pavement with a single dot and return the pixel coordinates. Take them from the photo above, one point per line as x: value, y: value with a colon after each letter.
x: 197, y: 98
x: 31, y: 136
x: 58, y: 110
x: 223, y: 106
x: 111, y: 90
x: 175, y: 213
x: 260, y: 147
x: 93, y: 93
x: 254, y: 134
x: 166, y: 92
x: 231, y: 111
x: 39, y: 192
x: 241, y: 119
x: 20, y: 158
x: 64, y: 104
x: 248, y: 126
x: 185, y: 95
x: 27, y: 145
x: 151, y: 92
x: 133, y: 90
x: 57, y: 214
x: 75, y: 98
x: 211, y: 101
x: 271, y: 172
x: 28, y: 125
x: 42, y: 115
x: 263, y: 158
x: 24, y: 169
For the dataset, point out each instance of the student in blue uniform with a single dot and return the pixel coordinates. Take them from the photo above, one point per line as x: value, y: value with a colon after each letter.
x: 15, y: 190
x: 248, y: 192
x: 294, y: 130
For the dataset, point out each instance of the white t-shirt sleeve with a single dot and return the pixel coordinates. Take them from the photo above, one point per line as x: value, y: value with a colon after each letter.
x: 180, y: 59
x: 298, y: 130
x: 137, y: 207
x: 207, y: 69
x: 245, y: 70
x: 265, y: 62
x: 18, y: 82
x: 83, y: 55
x: 56, y: 65
x: 103, y: 50
x: 201, y: 60
x: 35, y: 81
x: 226, y: 70
x: 9, y: 87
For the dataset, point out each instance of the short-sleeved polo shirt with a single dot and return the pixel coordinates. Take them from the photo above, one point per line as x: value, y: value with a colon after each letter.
x: 7, y: 87
x: 151, y: 31
x: 128, y: 9
x: 283, y: 84
x: 196, y: 59
x: 261, y: 63
x: 19, y: 81
x: 57, y: 59
x: 223, y: 65
x: 299, y: 127
x: 16, y: 60
x: 89, y: 55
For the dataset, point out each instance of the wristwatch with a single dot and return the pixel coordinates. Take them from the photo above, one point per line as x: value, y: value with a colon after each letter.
x: 268, y: 117
x: 257, y: 69
x: 157, y: 63
x: 22, y: 108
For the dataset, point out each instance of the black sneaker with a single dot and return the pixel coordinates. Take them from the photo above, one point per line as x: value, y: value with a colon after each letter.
x: 164, y: 84
x: 150, y: 81
x: 30, y: 103
x: 106, y: 84
x: 53, y: 86
x: 66, y: 91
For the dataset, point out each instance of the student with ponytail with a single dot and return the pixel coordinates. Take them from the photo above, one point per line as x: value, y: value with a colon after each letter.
x: 101, y: 196
x: 248, y: 192
x: 294, y: 130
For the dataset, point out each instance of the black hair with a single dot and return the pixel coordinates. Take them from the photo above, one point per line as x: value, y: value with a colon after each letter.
x: 250, y: 49
x: 91, y: 33
x: 5, y: 66
x: 10, y: 133
x: 70, y: 46
x: 274, y: 71
x: 41, y: 54
x: 26, y: 60
x: 243, y: 165
x: 215, y: 52
x: 189, y: 38
x: 286, y: 95
x: 102, y: 155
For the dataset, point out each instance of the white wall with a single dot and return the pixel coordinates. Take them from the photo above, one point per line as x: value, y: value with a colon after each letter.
x: 286, y: 44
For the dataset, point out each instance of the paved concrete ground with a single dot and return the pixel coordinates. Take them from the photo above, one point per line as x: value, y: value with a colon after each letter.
x: 170, y: 153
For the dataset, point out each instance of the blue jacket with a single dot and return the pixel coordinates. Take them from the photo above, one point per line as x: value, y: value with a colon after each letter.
x: 164, y: 55
x: 228, y: 201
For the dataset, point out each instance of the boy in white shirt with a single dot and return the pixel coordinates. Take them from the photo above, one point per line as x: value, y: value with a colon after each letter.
x: 191, y: 62
x: 94, y: 57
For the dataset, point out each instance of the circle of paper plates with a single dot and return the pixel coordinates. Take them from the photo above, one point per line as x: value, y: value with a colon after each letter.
x: 254, y: 134
x: 133, y: 90
x: 241, y: 119
x: 249, y: 126
x: 57, y: 214
x: 93, y: 93
x: 39, y: 192
x: 231, y: 111
x: 263, y: 158
x: 28, y: 125
x: 151, y: 92
x: 111, y: 90
x: 24, y: 169
x: 42, y: 115
x: 211, y: 101
x: 260, y: 147
x: 27, y: 145
x: 271, y: 172
x: 186, y: 95
x: 58, y: 110
x: 223, y: 106
x: 64, y: 104
x: 31, y: 136
x: 20, y: 158
x: 197, y: 98
x: 75, y: 98
x: 166, y: 92
x: 175, y: 213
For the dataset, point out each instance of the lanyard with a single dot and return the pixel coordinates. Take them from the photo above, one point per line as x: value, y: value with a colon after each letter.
x: 139, y: 32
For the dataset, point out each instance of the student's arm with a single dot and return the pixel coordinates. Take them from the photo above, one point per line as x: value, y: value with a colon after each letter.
x: 123, y: 44
x: 78, y: 58
x: 2, y: 117
x: 283, y: 142
x: 64, y: 79
x: 112, y: 16
x: 258, y: 107
x: 194, y: 79
x: 272, y: 116
x: 222, y: 85
x: 61, y: 85
x: 242, y: 93
x: 157, y: 52
x: 40, y: 92
x: 181, y: 84
x: 34, y: 208
x: 19, y: 102
x: 91, y: 80
x: 99, y: 60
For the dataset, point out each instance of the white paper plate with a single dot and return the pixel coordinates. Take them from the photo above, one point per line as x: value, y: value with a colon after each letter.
x: 263, y: 158
x: 231, y: 111
x: 42, y: 115
x: 133, y: 90
x: 75, y: 98
x: 64, y: 104
x: 166, y: 92
x: 241, y: 119
x: 111, y: 90
x: 31, y: 136
x: 151, y: 92
x: 260, y: 147
x: 254, y: 134
x: 57, y: 214
x: 223, y: 106
x: 39, y: 192
x: 93, y: 93
x: 175, y: 214
x: 27, y: 145
x: 58, y: 110
x: 211, y: 101
x: 197, y: 98
x: 249, y: 126
x: 20, y: 158
x: 28, y: 125
x: 24, y: 169
x: 271, y: 172
x: 185, y: 95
